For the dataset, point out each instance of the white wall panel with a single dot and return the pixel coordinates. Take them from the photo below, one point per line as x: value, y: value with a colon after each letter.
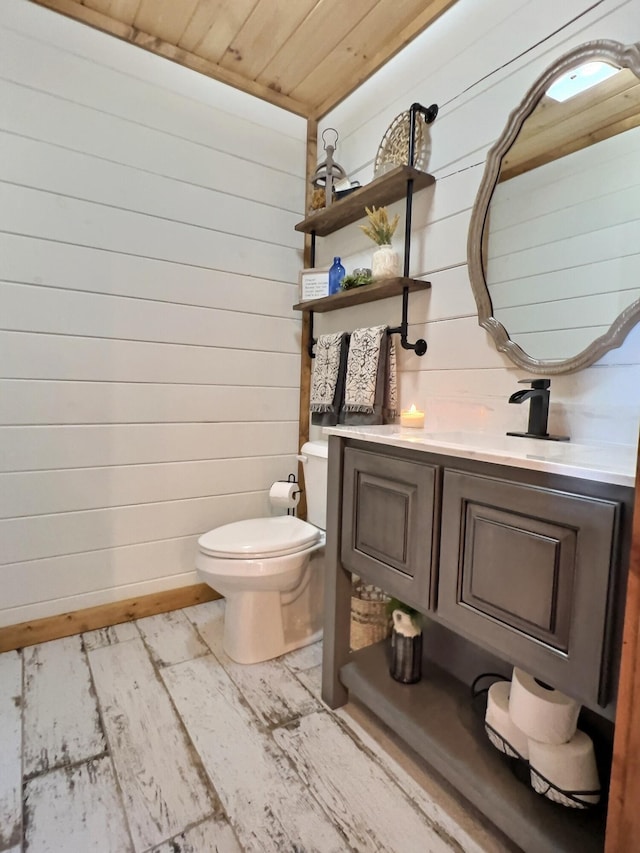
x: 36, y: 402
x: 47, y: 167
x: 77, y: 127
x: 47, y: 492
x: 75, y: 574
x: 54, y: 356
x: 149, y: 356
x: 37, y: 448
x: 40, y: 261
x: 39, y: 536
x: 66, y: 312
x: 35, y: 213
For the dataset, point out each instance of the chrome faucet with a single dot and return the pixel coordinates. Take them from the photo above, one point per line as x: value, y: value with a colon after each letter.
x: 538, y: 395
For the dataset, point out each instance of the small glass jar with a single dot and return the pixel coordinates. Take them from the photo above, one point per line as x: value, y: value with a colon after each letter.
x: 365, y: 272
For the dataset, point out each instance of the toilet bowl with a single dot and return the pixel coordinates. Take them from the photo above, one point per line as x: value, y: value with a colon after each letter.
x: 271, y: 573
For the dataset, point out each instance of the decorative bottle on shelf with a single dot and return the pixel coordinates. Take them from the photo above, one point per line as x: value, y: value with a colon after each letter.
x: 336, y: 273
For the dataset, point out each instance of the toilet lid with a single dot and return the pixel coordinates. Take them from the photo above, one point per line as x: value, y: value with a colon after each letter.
x: 259, y: 537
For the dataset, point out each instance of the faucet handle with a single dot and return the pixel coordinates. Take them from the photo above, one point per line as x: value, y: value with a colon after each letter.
x: 536, y: 383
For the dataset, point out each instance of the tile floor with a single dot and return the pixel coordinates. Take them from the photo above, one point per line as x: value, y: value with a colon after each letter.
x: 147, y: 737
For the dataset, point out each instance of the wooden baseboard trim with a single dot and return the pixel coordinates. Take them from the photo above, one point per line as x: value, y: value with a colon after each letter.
x: 102, y: 616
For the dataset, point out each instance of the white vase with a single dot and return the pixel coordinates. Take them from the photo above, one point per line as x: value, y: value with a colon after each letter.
x: 385, y: 262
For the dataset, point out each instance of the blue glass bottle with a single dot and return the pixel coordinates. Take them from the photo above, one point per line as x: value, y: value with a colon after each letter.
x: 336, y: 273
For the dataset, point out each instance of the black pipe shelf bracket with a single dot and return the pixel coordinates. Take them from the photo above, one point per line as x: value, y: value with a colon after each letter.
x: 399, y: 182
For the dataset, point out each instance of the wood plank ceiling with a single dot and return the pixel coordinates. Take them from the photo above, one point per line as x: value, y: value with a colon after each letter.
x: 302, y: 55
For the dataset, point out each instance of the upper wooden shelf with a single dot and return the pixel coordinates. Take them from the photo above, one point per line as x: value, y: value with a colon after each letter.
x: 360, y: 295
x: 383, y: 190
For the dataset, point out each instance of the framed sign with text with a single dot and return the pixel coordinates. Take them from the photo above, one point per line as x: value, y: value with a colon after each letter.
x: 314, y: 284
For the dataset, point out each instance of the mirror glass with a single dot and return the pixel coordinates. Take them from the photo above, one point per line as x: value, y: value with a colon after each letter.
x: 554, y: 242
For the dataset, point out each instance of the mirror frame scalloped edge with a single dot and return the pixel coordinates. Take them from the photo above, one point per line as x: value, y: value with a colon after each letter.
x: 626, y: 56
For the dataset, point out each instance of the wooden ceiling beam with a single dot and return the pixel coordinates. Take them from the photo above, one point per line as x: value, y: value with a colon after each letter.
x: 131, y: 34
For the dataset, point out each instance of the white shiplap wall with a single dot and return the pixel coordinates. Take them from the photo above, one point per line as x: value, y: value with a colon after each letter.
x: 149, y: 357
x: 476, y: 63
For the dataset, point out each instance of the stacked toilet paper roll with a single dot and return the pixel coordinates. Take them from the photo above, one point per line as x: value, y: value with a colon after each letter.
x: 285, y: 494
x: 501, y: 730
x: 531, y: 720
x: 543, y: 714
x: 562, y: 762
x: 567, y: 768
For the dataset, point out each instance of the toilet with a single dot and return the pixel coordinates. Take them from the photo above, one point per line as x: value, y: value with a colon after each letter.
x: 271, y: 572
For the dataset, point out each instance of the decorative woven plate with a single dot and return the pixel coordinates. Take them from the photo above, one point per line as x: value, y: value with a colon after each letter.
x: 394, y: 148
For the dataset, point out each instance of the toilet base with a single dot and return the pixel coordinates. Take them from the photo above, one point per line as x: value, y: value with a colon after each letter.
x: 265, y: 638
x: 262, y: 625
x: 268, y: 641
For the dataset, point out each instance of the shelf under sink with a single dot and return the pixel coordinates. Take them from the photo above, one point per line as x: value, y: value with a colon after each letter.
x: 435, y: 717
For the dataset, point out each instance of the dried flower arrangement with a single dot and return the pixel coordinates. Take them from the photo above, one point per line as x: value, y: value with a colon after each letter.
x: 379, y: 229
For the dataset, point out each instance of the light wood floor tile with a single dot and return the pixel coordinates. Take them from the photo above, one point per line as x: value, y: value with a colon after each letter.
x: 304, y: 658
x: 108, y: 636
x: 61, y: 722
x: 76, y: 810
x: 267, y: 805
x: 162, y: 781
x: 10, y: 748
x: 412, y: 774
x: 312, y: 680
x: 171, y: 638
x: 373, y: 812
x: 210, y: 836
x: 270, y: 688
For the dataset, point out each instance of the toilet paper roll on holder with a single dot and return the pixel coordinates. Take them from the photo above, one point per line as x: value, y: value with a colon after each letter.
x: 292, y: 479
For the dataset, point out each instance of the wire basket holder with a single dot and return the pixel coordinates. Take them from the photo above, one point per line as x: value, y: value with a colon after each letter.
x: 522, y: 769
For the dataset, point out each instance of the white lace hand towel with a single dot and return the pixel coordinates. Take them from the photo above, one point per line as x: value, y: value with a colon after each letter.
x: 326, y: 366
x: 362, y: 369
x: 390, y: 410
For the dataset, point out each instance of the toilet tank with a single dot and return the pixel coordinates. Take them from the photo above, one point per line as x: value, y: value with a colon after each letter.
x: 314, y: 460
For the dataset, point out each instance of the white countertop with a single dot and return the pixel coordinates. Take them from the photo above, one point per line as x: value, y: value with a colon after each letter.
x: 604, y: 463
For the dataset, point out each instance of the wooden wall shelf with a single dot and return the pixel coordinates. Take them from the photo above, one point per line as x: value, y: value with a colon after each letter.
x: 360, y: 295
x: 383, y: 190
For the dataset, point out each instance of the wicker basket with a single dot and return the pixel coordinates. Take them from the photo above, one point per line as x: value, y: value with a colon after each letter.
x: 370, y: 621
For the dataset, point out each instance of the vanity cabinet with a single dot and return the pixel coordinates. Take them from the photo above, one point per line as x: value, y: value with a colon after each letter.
x: 388, y: 520
x: 521, y: 569
x: 510, y: 566
x: 526, y: 570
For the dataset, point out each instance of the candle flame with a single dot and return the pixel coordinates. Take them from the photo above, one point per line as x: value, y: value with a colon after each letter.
x: 412, y: 410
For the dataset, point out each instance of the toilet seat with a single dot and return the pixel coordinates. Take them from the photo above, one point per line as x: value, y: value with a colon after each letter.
x: 259, y: 538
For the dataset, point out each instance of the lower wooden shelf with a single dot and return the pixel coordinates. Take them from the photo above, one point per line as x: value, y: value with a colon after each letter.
x: 436, y: 719
x: 359, y: 295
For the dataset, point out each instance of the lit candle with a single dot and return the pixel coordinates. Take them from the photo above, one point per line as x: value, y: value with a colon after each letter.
x: 412, y: 418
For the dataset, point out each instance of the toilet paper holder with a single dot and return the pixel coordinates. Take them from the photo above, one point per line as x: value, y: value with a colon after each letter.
x: 292, y: 479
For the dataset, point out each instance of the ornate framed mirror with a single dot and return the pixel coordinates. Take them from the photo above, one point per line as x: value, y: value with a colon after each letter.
x: 554, y: 239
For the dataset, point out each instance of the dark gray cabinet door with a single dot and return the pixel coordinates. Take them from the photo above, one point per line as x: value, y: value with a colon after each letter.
x: 388, y: 523
x: 525, y: 571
